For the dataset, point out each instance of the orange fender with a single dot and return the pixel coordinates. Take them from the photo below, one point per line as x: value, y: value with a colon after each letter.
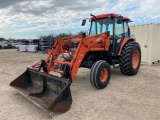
x: 125, y: 40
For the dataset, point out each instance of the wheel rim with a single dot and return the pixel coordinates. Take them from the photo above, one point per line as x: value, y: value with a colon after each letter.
x: 103, y: 75
x: 135, y: 59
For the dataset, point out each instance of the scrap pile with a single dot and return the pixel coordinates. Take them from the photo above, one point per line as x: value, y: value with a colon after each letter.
x: 46, y: 43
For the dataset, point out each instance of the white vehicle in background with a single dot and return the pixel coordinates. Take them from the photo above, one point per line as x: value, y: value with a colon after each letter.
x: 6, y: 44
x: 15, y: 45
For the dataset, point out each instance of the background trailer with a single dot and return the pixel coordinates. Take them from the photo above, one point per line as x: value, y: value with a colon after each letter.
x: 148, y: 36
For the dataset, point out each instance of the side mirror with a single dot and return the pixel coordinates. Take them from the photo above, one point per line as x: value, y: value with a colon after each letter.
x: 120, y: 19
x: 83, y: 22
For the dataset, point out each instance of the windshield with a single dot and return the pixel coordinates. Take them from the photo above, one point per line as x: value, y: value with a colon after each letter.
x: 103, y: 25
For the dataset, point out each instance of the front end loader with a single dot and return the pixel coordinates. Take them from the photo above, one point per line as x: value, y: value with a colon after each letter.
x: 109, y: 43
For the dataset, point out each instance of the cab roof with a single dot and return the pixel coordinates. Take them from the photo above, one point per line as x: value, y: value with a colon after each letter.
x: 109, y: 15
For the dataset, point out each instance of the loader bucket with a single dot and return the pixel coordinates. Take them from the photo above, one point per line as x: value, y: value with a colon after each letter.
x: 47, y: 91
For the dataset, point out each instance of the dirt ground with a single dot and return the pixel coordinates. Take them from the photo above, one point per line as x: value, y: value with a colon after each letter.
x: 125, y: 98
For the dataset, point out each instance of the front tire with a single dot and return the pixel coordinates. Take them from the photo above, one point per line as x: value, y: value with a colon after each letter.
x: 130, y: 58
x: 100, y: 74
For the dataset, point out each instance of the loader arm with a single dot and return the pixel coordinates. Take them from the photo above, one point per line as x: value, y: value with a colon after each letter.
x: 99, y: 42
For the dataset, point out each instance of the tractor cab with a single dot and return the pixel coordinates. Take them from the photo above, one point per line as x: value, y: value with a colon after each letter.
x: 117, y: 26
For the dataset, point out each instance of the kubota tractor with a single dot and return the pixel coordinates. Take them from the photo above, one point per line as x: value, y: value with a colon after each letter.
x: 109, y: 43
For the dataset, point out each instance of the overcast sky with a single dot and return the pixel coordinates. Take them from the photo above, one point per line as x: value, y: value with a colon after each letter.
x: 32, y: 18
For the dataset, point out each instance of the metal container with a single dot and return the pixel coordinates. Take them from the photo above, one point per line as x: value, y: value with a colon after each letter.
x: 149, y: 38
x: 32, y: 48
x: 23, y: 48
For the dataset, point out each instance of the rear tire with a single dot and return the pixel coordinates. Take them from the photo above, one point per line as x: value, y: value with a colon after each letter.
x: 130, y: 58
x: 100, y: 74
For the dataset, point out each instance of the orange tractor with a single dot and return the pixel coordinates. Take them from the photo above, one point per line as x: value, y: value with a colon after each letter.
x: 109, y: 43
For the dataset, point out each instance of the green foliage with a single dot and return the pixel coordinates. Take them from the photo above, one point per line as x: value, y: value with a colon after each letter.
x: 20, y: 40
x: 2, y: 39
x: 62, y: 35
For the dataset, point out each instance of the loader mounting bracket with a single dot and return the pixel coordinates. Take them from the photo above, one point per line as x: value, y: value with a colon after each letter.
x: 43, y: 65
x: 66, y: 72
